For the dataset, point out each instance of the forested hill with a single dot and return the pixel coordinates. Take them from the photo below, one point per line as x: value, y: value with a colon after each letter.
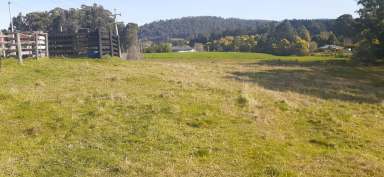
x: 191, y: 27
x: 215, y: 27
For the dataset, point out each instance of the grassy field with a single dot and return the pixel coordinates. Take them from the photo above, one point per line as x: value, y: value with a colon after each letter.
x: 201, y: 114
x: 231, y: 56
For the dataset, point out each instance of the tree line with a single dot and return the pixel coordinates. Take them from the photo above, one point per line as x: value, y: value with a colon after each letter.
x: 283, y: 39
x: 71, y: 20
x: 371, y: 25
x: 288, y: 37
x: 364, y: 34
x: 196, y: 27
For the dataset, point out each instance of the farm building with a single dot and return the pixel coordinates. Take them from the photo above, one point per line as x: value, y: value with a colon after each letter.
x: 84, y: 43
x: 331, y: 47
x: 183, y: 49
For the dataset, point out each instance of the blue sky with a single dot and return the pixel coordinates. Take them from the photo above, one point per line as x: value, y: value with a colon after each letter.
x: 144, y: 11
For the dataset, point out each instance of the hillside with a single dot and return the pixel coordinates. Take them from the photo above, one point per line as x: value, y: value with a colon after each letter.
x: 203, y: 114
x: 214, y: 27
x: 191, y: 27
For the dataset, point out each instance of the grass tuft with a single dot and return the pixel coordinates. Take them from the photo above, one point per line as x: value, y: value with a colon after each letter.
x: 243, y: 100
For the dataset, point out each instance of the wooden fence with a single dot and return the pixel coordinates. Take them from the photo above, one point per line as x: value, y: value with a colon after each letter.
x: 24, y: 44
x: 84, y: 43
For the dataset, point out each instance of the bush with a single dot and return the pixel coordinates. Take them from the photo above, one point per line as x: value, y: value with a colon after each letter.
x: 367, y: 53
x: 159, y: 48
x: 298, y: 47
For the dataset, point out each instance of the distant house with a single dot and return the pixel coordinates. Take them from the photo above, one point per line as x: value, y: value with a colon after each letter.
x: 183, y: 49
x: 331, y: 48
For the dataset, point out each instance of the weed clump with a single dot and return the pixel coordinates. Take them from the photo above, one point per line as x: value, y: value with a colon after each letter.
x: 31, y: 131
x: 323, y: 143
x: 40, y: 84
x: 113, y: 78
x: 201, y: 152
x: 200, y: 123
x: 4, y: 97
x: 282, y: 105
x: 272, y: 171
x: 243, y: 100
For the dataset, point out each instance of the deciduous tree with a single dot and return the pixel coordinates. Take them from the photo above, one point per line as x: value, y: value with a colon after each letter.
x: 371, y: 21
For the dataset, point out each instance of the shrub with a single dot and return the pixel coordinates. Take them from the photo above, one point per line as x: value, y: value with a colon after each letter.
x: 366, y: 53
x: 159, y: 48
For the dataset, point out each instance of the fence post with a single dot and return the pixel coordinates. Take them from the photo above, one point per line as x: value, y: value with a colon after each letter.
x: 2, y: 49
x: 46, y: 46
x: 2, y: 37
x: 118, y: 43
x: 100, y: 44
x: 19, y: 49
x: 111, y: 42
x: 37, y: 45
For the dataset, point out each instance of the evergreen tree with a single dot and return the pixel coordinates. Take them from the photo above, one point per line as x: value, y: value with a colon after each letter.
x: 92, y: 17
x: 284, y: 30
x: 345, y: 26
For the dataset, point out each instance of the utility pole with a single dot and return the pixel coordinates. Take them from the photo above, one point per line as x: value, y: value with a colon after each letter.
x: 10, y: 15
x: 115, y: 21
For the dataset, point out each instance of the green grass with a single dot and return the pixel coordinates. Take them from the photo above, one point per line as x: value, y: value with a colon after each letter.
x: 231, y: 55
x: 206, y: 114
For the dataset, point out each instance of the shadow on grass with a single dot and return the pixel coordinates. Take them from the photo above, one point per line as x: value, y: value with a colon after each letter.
x: 335, y: 79
x: 298, y: 63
